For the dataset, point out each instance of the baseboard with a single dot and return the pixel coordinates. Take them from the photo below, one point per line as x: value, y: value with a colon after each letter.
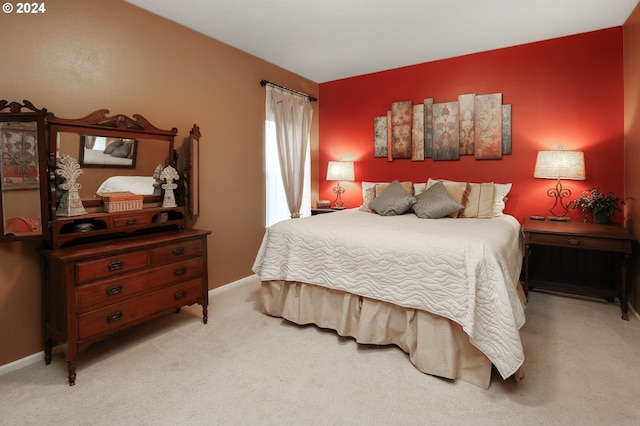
x: 39, y: 357
x: 231, y: 285
x: 26, y: 361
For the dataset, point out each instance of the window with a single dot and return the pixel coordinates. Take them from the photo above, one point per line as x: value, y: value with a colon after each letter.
x: 276, y: 200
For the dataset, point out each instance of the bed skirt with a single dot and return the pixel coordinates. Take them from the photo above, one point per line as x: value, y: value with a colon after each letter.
x: 436, y: 345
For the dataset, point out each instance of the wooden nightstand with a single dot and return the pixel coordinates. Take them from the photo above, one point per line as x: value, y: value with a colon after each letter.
x: 613, y: 239
x: 321, y: 211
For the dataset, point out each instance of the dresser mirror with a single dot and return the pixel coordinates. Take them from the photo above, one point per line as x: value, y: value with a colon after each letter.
x: 116, y: 153
x: 23, y: 187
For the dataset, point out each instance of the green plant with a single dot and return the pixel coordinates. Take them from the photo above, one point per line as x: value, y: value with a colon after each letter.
x: 599, y: 204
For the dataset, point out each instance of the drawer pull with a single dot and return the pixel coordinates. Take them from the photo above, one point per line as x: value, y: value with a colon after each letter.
x: 573, y: 242
x: 114, y: 289
x: 180, y: 271
x: 115, y: 316
x: 115, y: 265
x: 131, y: 221
x: 180, y: 294
x: 178, y: 251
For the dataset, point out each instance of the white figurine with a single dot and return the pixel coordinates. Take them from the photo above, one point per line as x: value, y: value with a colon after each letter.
x: 169, y: 174
x: 70, y: 203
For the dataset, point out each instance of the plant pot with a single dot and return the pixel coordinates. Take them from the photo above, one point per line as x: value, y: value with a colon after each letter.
x: 601, y: 217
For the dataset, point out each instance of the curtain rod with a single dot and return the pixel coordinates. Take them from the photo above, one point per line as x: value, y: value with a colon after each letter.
x: 265, y: 82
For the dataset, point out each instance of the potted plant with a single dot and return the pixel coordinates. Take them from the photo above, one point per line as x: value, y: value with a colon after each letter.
x: 600, y: 205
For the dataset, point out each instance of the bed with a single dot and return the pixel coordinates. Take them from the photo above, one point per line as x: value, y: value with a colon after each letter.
x: 141, y: 185
x: 445, y: 291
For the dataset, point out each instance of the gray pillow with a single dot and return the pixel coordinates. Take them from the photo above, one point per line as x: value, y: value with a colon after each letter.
x: 113, y: 145
x: 394, y: 200
x: 435, y: 202
x: 122, y: 151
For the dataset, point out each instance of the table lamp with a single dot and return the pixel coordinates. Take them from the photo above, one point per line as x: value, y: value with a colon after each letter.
x: 559, y: 165
x: 340, y: 171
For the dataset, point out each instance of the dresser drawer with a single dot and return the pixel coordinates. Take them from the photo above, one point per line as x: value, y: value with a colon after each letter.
x: 113, y: 290
x: 177, y: 251
x: 112, y: 265
x: 116, y: 316
x: 130, y: 220
x: 570, y: 241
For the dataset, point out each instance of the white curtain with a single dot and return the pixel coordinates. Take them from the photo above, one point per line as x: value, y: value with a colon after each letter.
x: 291, y: 114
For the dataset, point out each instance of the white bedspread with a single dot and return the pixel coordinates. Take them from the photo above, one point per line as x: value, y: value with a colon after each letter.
x: 463, y: 269
x: 141, y: 185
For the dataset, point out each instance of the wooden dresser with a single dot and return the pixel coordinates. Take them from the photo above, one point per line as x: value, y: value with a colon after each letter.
x: 115, y: 258
x: 93, y: 290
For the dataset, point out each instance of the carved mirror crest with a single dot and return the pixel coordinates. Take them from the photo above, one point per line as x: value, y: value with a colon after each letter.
x: 23, y: 183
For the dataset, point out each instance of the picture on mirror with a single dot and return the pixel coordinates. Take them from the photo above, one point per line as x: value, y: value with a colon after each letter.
x: 111, y: 152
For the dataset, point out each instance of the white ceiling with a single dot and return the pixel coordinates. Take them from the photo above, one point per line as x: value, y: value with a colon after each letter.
x: 325, y: 40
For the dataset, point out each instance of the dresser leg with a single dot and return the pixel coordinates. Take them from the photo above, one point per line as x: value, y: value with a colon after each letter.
x: 71, y: 366
x: 48, y: 344
x: 205, y: 314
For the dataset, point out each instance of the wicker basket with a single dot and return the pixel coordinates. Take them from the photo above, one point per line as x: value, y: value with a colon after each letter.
x: 121, y: 201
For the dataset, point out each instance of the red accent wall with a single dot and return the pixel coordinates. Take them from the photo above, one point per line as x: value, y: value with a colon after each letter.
x: 564, y: 92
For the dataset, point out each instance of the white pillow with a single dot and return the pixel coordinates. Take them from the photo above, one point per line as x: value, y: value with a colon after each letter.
x: 500, y: 197
x: 419, y: 188
x: 368, y: 185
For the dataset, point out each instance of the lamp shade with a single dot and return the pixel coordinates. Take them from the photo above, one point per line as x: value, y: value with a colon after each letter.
x: 560, y: 165
x: 340, y: 170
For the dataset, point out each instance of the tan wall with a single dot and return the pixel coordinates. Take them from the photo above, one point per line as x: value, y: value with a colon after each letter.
x: 81, y: 56
x: 632, y: 137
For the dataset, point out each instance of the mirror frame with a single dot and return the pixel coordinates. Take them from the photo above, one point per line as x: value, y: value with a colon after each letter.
x: 193, y: 171
x: 15, y: 113
x: 99, y: 123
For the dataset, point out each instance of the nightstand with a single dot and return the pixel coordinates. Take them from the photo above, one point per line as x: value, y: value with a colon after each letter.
x: 321, y: 211
x: 613, y: 240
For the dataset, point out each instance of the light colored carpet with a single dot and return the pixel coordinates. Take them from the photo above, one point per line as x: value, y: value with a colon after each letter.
x: 245, y: 368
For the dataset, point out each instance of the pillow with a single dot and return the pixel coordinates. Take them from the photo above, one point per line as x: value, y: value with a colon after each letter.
x: 123, y: 150
x: 368, y: 185
x: 459, y: 191
x: 406, y: 185
x: 480, y: 201
x: 393, y: 200
x: 435, y: 202
x: 500, y: 198
x: 113, y: 145
x: 368, y: 197
x: 369, y: 192
x: 418, y: 188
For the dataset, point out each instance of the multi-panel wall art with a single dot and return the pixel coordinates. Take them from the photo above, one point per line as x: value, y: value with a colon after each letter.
x: 477, y: 125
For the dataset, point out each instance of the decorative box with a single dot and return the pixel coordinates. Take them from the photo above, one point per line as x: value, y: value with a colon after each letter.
x: 121, y: 201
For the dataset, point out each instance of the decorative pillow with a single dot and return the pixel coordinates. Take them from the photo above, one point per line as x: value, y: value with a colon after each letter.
x: 368, y: 197
x: 369, y: 185
x: 480, y: 201
x: 123, y: 150
x: 500, y: 198
x: 370, y: 189
x: 435, y: 202
x: 113, y: 145
x: 393, y: 200
x: 459, y: 191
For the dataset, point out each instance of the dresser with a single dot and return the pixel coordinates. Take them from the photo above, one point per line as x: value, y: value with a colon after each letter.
x: 118, y: 249
x: 579, y: 247
x: 96, y: 289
